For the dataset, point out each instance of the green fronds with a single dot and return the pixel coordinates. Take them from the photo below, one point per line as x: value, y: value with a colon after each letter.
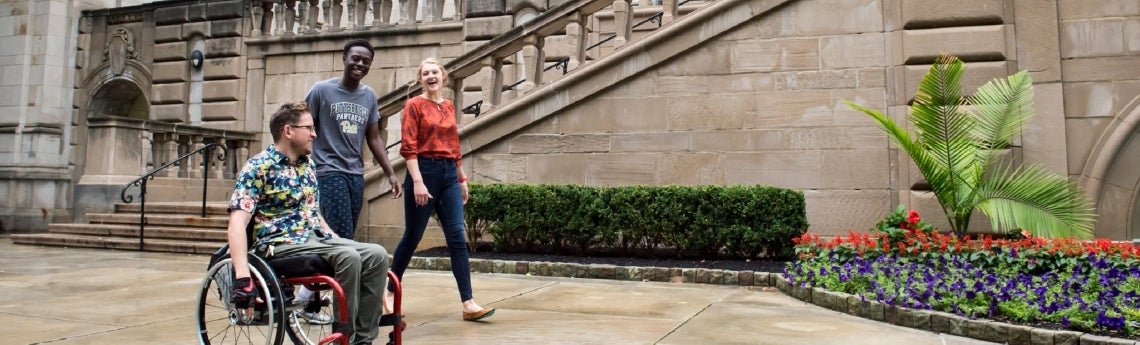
x: 1002, y: 106
x: 955, y: 147
x: 1035, y: 199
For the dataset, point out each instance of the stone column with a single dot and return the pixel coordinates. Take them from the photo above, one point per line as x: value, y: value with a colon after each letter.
x: 311, y: 16
x: 355, y: 19
x: 670, y: 9
x: 194, y: 162
x: 169, y: 147
x: 256, y: 13
x: 333, y: 9
x: 575, y: 33
x: 216, y: 166
x: 457, y: 91
x: 623, y: 22
x: 381, y: 12
x: 408, y: 11
x: 535, y: 62
x: 493, y: 93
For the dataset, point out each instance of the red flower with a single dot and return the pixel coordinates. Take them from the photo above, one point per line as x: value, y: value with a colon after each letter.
x: 912, y: 217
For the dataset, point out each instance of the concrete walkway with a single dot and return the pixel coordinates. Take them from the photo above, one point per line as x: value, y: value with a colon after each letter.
x: 82, y: 296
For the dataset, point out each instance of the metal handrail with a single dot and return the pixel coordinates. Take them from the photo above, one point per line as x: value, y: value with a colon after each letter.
x: 142, y: 181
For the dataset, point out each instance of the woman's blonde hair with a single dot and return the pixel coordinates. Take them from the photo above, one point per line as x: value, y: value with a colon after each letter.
x: 431, y: 61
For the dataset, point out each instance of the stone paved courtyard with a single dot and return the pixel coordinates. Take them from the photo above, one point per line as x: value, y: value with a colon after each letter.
x: 80, y: 296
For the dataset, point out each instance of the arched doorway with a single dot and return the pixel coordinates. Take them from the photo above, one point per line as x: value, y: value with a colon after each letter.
x: 1111, y: 176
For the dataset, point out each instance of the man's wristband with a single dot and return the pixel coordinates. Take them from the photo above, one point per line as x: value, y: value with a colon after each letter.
x: 462, y: 179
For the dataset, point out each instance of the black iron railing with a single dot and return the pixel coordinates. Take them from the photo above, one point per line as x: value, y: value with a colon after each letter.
x: 142, y: 181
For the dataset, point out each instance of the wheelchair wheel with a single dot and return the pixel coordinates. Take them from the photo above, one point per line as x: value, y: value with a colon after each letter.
x: 303, y: 331
x: 219, y: 322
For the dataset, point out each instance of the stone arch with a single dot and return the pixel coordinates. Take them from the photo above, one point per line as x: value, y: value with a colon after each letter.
x: 104, y: 92
x: 1111, y: 177
x: 98, y: 92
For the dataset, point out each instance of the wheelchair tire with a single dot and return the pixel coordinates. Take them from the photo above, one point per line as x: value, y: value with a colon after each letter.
x: 300, y: 331
x: 220, y: 323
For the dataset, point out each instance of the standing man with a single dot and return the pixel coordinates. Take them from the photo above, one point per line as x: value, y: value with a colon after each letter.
x: 346, y: 114
x: 277, y: 191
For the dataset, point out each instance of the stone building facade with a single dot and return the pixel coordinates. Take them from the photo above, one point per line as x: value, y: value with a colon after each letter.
x: 725, y: 92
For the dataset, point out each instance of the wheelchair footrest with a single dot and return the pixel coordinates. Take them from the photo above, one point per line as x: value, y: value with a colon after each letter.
x: 390, y: 320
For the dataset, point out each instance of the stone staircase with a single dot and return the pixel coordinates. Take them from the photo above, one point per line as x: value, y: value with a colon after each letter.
x: 171, y: 227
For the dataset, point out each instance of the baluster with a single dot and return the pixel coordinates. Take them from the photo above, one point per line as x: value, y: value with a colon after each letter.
x: 493, y: 94
x: 408, y: 11
x: 381, y: 12
x: 623, y: 22
x: 241, y: 154
x: 534, y: 61
x: 290, y: 16
x: 433, y: 11
x: 144, y: 145
x: 457, y: 98
x: 355, y: 18
x: 256, y: 14
x: 458, y: 9
x: 575, y: 32
x: 333, y: 10
x: 303, y: 16
x: 670, y: 8
x: 310, y: 17
x: 194, y: 162
x: 218, y: 169
x: 279, y: 19
x: 169, y: 147
x: 267, y: 17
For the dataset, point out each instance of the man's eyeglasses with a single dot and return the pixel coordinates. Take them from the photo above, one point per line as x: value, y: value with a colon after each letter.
x: 309, y: 127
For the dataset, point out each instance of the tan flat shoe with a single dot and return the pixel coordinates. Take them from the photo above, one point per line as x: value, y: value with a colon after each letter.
x: 479, y: 315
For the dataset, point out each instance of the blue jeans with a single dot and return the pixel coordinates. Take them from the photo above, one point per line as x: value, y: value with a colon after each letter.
x: 341, y: 198
x: 442, y: 181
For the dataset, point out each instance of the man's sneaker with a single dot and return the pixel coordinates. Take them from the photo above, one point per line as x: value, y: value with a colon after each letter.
x: 314, y: 318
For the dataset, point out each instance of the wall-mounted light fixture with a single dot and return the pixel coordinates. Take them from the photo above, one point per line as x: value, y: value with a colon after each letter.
x: 196, y: 59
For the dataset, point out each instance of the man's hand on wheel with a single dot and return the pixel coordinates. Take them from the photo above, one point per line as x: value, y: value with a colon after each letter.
x: 243, y: 293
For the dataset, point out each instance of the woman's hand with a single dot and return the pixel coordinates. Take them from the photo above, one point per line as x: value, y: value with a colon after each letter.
x: 420, y: 192
x: 463, y: 190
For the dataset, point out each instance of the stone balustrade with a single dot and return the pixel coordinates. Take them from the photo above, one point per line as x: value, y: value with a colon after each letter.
x: 570, y: 19
x: 141, y: 146
x: 293, y: 17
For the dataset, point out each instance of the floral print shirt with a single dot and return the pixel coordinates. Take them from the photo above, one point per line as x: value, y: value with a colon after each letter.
x: 281, y: 196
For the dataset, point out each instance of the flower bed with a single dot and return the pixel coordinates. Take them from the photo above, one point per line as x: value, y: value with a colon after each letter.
x: 1089, y: 286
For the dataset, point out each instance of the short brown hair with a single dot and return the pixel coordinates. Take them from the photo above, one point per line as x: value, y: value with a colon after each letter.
x: 288, y: 114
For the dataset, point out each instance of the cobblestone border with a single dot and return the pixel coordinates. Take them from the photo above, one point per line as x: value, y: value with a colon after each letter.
x: 940, y: 322
x: 932, y: 321
x: 597, y: 271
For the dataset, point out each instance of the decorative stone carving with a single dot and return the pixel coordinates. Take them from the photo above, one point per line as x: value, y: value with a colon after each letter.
x: 120, y: 48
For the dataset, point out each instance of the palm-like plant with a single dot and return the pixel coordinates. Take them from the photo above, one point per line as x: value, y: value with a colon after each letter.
x: 958, y: 144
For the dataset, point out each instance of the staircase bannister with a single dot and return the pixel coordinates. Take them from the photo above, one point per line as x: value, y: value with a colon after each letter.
x: 548, y: 23
x: 142, y: 181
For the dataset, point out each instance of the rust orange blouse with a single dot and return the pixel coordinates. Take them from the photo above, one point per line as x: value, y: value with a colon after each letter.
x: 429, y: 129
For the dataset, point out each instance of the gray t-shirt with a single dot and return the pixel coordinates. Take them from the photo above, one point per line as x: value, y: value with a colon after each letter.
x: 342, y: 117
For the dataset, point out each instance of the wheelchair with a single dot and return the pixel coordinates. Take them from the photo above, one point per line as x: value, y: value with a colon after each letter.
x: 273, y: 317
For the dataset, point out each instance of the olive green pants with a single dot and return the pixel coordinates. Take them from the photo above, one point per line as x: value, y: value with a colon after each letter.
x: 362, y: 271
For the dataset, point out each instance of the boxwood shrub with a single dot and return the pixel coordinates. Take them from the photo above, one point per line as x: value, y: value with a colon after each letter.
x: 684, y: 221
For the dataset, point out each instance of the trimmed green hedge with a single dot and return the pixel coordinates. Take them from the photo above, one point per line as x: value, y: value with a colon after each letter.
x: 685, y: 221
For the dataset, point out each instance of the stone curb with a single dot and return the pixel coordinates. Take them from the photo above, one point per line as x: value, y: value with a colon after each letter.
x: 940, y: 322
x: 596, y: 271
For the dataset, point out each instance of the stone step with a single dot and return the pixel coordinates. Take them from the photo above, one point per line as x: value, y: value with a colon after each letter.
x: 122, y: 243
x: 132, y: 231
x: 188, y: 208
x: 178, y: 220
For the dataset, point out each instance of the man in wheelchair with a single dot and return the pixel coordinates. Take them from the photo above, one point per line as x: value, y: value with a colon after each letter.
x: 276, y: 190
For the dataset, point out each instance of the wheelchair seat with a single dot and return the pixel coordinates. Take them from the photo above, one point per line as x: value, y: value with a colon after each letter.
x: 301, y: 265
